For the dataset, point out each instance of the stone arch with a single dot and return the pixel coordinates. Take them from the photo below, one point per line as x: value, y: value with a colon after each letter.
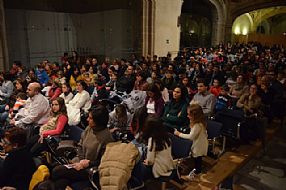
x: 243, y: 7
x: 219, y: 23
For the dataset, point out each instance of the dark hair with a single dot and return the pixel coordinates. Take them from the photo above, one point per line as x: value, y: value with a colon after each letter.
x: 121, y: 115
x: 155, y: 89
x: 154, y: 128
x: 143, y: 74
x: 21, y: 95
x: 159, y: 82
x: 83, y: 84
x: 7, y: 76
x: 62, y: 105
x: 203, y: 81
x: 138, y: 119
x: 68, y: 86
x: 100, y: 116
x: 16, y: 135
x: 184, y: 92
x: 23, y: 84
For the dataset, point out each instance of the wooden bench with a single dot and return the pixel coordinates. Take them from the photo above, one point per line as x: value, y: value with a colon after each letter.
x: 227, y: 165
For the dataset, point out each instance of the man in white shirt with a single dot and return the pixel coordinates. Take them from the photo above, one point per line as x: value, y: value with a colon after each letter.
x: 36, y: 110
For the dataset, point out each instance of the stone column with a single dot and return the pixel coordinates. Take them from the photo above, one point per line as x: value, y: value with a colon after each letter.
x: 4, y: 62
x: 167, y: 26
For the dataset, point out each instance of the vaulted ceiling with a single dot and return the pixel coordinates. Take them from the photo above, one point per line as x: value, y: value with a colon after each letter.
x: 70, y: 6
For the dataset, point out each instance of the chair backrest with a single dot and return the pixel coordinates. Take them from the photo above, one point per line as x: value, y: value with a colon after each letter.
x: 181, y: 148
x: 75, y: 133
x: 40, y: 175
x: 214, y: 129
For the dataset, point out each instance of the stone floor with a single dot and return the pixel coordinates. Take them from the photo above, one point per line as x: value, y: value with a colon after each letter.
x: 268, y: 170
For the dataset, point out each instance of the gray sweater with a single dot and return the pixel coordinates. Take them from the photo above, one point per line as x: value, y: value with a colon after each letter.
x: 92, y: 144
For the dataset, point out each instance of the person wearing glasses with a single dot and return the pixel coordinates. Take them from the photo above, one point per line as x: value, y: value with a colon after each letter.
x: 16, y: 164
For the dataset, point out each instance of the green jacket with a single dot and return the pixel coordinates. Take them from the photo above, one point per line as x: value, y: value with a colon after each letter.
x: 171, y: 116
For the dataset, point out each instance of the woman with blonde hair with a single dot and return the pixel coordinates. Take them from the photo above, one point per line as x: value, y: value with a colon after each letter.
x: 198, y: 135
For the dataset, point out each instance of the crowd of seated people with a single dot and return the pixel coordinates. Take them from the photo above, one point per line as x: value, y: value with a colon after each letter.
x: 248, y: 77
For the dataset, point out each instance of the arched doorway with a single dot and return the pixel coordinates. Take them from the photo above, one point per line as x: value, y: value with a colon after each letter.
x: 266, y: 26
x: 196, y: 23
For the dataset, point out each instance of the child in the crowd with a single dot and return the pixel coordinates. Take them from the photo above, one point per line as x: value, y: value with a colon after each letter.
x: 223, y: 100
x: 215, y: 88
x: 198, y: 135
x: 20, y: 103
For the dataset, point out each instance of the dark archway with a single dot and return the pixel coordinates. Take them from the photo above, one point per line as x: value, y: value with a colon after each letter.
x: 196, y: 23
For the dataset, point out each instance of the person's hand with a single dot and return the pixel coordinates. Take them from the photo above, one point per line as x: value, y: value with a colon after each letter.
x: 12, y: 122
x: 78, y: 166
x: 145, y: 162
x: 113, y: 129
x: 176, y: 132
x: 84, y: 163
x: 7, y: 107
x: 41, y: 139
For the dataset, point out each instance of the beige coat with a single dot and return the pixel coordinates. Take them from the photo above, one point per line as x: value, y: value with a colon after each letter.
x: 116, y: 165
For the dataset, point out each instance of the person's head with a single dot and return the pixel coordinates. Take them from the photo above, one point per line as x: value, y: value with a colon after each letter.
x: 225, y: 90
x: 121, y: 114
x: 154, y: 75
x: 185, y: 81
x: 196, y: 114
x: 202, y: 86
x: 129, y: 70
x: 20, y: 85
x: 113, y: 77
x: 7, y: 76
x: 253, y: 89
x: 66, y: 88
x: 141, y: 76
x: 153, y: 91
x: 179, y: 93
x: 81, y: 86
x: 59, y: 106
x: 239, y: 79
x: 33, y: 89
x: 153, y: 127
x: 138, y: 119
x: 169, y: 74
x: 216, y: 83
x: 111, y: 70
x: 94, y: 61
x: 98, y: 117
x: 159, y: 84
x: 264, y: 86
x: 14, y: 138
x: 56, y: 83
x: 21, y: 96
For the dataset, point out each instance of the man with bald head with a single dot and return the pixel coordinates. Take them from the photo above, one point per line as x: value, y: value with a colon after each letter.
x: 36, y: 110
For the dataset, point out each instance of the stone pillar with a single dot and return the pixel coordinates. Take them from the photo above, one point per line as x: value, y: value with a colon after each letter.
x: 148, y: 27
x: 167, y: 26
x: 4, y: 62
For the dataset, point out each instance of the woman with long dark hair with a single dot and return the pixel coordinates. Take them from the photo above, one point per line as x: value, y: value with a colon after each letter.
x: 154, y: 101
x: 159, y: 160
x: 54, y: 127
x: 175, y: 113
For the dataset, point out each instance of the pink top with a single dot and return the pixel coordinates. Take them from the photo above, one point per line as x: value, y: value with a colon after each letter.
x: 61, y: 122
x: 53, y: 94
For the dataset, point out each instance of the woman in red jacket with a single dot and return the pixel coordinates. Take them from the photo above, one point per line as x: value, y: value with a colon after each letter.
x: 55, y: 126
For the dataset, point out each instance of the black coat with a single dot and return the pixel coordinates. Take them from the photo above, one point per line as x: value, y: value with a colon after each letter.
x: 17, y: 169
